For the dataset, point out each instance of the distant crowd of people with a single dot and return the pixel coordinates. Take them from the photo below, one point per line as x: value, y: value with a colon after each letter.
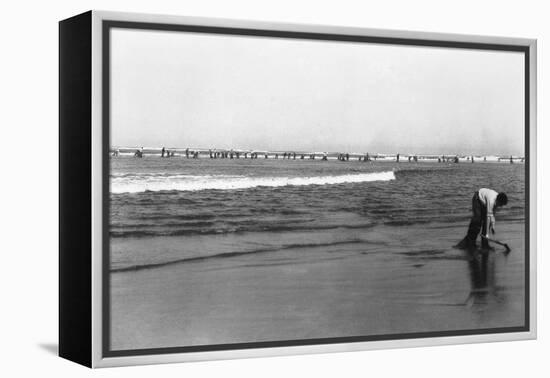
x: 231, y: 154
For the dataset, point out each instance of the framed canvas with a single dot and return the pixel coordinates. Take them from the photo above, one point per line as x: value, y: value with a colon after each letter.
x: 234, y: 189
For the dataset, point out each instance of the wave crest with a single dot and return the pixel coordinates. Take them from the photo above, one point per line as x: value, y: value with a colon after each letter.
x: 142, y: 183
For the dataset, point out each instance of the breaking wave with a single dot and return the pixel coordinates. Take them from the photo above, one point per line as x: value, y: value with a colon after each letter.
x: 136, y: 183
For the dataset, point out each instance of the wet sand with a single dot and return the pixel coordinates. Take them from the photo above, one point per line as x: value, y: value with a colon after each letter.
x: 405, y: 279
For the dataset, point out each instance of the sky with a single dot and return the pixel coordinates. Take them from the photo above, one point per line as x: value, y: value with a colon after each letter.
x: 181, y: 89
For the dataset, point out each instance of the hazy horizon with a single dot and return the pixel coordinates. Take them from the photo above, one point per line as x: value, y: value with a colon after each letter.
x: 179, y: 89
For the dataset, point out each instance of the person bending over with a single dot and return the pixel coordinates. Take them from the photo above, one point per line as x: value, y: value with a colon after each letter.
x: 484, y: 204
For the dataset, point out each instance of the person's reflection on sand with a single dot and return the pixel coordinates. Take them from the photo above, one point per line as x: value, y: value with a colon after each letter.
x: 482, y: 276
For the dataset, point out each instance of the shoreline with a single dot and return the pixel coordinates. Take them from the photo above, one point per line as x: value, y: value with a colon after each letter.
x: 408, y: 283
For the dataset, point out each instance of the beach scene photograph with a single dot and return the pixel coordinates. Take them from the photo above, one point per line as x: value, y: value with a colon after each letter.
x: 270, y: 189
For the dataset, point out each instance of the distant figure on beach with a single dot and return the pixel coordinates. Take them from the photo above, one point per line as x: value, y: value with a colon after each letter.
x: 484, y: 204
x: 456, y: 159
x: 139, y: 153
x: 162, y: 152
x: 472, y: 158
x: 511, y: 160
x: 397, y: 159
x: 187, y: 153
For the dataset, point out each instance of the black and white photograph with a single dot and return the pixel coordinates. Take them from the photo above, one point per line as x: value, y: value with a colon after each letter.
x: 290, y: 188
x: 296, y: 189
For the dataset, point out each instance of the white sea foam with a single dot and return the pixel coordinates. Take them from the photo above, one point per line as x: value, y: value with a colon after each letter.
x: 137, y: 183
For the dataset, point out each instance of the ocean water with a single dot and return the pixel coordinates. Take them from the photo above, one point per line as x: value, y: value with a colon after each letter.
x: 165, y: 211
